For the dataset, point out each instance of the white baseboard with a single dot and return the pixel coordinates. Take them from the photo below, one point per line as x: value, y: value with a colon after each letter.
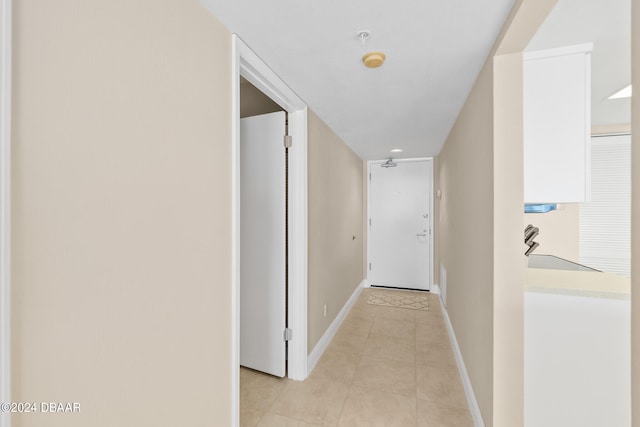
x: 435, y: 289
x: 476, y: 415
x: 324, y: 342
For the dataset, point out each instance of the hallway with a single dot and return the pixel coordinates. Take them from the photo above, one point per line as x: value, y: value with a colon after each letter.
x: 385, y: 367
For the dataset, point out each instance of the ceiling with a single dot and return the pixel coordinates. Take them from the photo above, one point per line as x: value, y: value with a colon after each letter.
x: 606, y: 23
x: 435, y: 50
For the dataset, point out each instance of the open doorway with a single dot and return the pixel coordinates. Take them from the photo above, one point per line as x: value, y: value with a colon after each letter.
x: 263, y: 232
x: 591, y: 234
x: 249, y: 67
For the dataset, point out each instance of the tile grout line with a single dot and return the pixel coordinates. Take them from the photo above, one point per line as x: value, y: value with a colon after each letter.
x: 276, y: 399
x: 344, y: 402
x: 353, y: 379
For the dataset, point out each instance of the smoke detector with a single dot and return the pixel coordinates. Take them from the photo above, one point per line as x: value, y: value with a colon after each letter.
x: 363, y: 36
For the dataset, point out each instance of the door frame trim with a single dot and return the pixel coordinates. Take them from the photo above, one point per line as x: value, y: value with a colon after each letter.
x: 431, y: 208
x: 247, y: 64
x: 5, y: 209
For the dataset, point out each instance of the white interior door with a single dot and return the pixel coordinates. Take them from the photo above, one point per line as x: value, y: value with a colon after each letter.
x: 262, y: 243
x: 400, y: 225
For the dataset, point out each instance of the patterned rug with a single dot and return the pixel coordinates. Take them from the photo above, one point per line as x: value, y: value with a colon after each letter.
x: 401, y: 300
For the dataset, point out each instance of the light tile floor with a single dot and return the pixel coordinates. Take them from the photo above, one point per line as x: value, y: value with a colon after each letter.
x: 385, y: 367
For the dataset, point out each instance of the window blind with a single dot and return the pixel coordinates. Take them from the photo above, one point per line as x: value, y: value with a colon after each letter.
x: 605, y: 221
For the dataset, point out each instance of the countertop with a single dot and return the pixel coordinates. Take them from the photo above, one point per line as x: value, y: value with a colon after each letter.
x: 556, y: 263
x: 577, y: 282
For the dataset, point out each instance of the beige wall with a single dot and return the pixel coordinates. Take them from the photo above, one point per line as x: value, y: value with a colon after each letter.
x: 509, y: 262
x: 635, y: 209
x: 465, y: 233
x: 436, y: 221
x: 253, y: 102
x: 559, y: 231
x: 480, y: 223
x: 121, y: 213
x: 335, y: 216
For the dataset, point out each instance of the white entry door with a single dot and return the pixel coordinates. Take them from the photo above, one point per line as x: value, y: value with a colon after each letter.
x: 400, y: 224
x: 262, y: 243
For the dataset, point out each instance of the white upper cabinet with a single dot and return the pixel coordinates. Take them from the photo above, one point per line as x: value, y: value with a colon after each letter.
x: 557, y: 125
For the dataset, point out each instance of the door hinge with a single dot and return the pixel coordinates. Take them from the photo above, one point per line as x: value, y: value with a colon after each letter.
x: 369, y: 176
x: 288, y: 334
x: 288, y: 141
x: 369, y: 266
x: 369, y: 222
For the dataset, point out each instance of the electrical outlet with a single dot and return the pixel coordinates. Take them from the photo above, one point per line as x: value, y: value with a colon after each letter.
x: 325, y: 310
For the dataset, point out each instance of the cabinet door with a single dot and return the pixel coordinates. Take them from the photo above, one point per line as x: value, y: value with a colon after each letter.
x: 557, y: 103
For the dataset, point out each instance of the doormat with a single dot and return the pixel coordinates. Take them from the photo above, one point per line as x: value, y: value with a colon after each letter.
x: 401, y: 300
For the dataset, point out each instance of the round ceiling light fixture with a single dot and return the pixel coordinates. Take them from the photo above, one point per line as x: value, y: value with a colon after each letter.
x: 373, y: 59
